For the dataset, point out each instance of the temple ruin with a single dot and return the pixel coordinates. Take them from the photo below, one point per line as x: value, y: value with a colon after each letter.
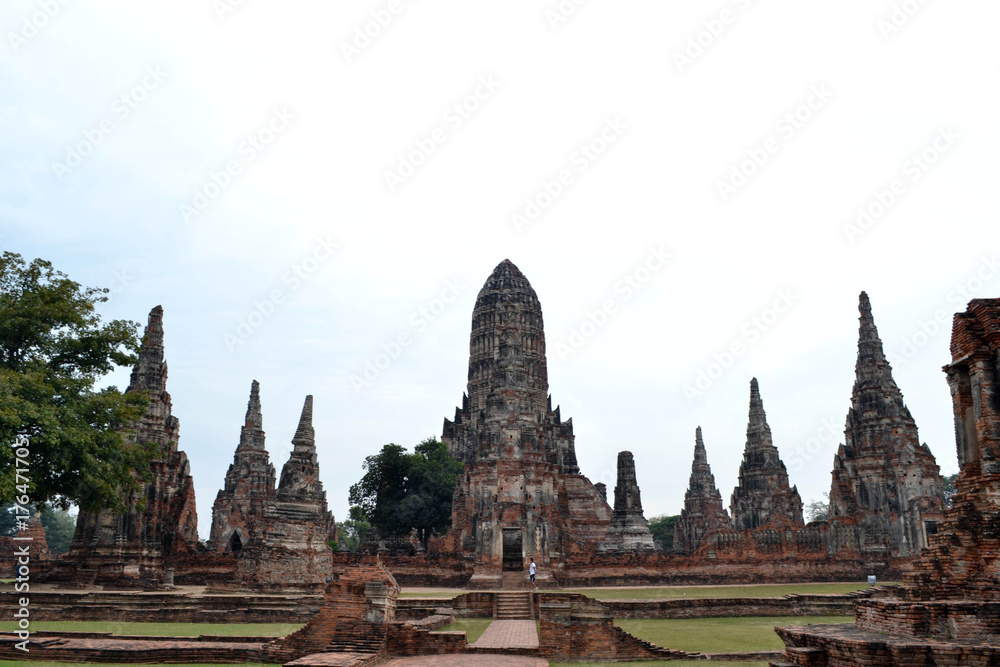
x: 287, y: 542
x: 763, y: 498
x: 703, y: 513
x: 629, y: 530
x: 884, y: 480
x: 948, y: 612
x: 521, y: 494
x: 249, y: 484
x: 135, y: 548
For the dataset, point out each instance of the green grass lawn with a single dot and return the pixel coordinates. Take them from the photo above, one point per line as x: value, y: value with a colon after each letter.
x: 438, y: 593
x: 759, y: 591
x: 161, y: 629
x: 719, y: 635
x: 472, y: 627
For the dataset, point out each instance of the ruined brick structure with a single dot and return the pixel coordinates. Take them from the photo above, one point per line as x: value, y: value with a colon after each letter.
x: 287, y: 545
x: 629, y: 530
x: 703, y: 513
x: 134, y: 548
x: 249, y: 484
x: 521, y: 494
x: 948, y: 613
x: 884, y: 480
x: 763, y: 498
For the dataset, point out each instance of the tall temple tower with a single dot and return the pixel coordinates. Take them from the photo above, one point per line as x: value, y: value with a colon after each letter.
x: 132, y: 549
x: 703, y: 513
x: 763, y: 497
x: 249, y: 482
x: 884, y: 480
x: 521, y: 494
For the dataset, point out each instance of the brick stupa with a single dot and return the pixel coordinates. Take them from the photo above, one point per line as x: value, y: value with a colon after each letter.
x: 884, y: 480
x: 948, y: 613
x: 133, y: 549
x: 703, y: 513
x: 763, y: 497
x: 249, y: 484
x: 521, y: 494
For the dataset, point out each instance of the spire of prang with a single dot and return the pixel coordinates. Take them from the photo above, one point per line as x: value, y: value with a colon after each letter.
x: 251, y: 434
x: 627, y: 498
x: 703, y: 513
x: 763, y: 495
x: 305, y: 437
x: 150, y: 371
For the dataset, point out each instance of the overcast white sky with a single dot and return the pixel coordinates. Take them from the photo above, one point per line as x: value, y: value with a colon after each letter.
x: 294, y: 193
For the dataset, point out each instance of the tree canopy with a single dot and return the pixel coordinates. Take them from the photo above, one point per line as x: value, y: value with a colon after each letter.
x: 53, y: 350
x: 662, y: 528
x: 400, y: 491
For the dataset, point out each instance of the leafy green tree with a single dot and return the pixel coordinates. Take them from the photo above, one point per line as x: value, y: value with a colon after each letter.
x: 382, y: 488
x: 948, y: 486
x: 59, y: 527
x: 53, y: 350
x: 662, y: 527
x: 353, y: 530
x: 818, y: 510
x: 400, y: 491
x: 430, y: 486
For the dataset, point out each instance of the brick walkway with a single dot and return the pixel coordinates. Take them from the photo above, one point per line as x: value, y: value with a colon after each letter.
x: 468, y: 661
x: 509, y: 634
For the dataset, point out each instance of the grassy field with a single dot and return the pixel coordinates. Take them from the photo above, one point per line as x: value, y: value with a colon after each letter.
x: 719, y: 635
x: 440, y: 593
x: 759, y: 591
x: 161, y: 629
x: 472, y: 627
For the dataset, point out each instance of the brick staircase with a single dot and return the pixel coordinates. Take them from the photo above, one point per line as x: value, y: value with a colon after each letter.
x: 512, y: 606
x: 357, y: 637
x: 516, y: 581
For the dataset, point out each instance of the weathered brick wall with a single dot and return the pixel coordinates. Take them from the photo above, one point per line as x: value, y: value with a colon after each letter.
x: 580, y: 628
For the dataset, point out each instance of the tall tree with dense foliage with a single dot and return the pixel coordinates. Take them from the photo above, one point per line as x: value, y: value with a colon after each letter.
x: 662, y: 528
x: 401, y: 491
x: 53, y: 350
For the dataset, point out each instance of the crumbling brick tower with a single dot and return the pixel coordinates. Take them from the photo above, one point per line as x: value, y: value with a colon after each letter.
x: 763, y: 497
x: 884, y: 480
x: 521, y: 494
x: 703, y: 513
x: 287, y: 548
x: 629, y: 530
x: 249, y: 484
x: 948, y: 612
x: 135, y: 547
